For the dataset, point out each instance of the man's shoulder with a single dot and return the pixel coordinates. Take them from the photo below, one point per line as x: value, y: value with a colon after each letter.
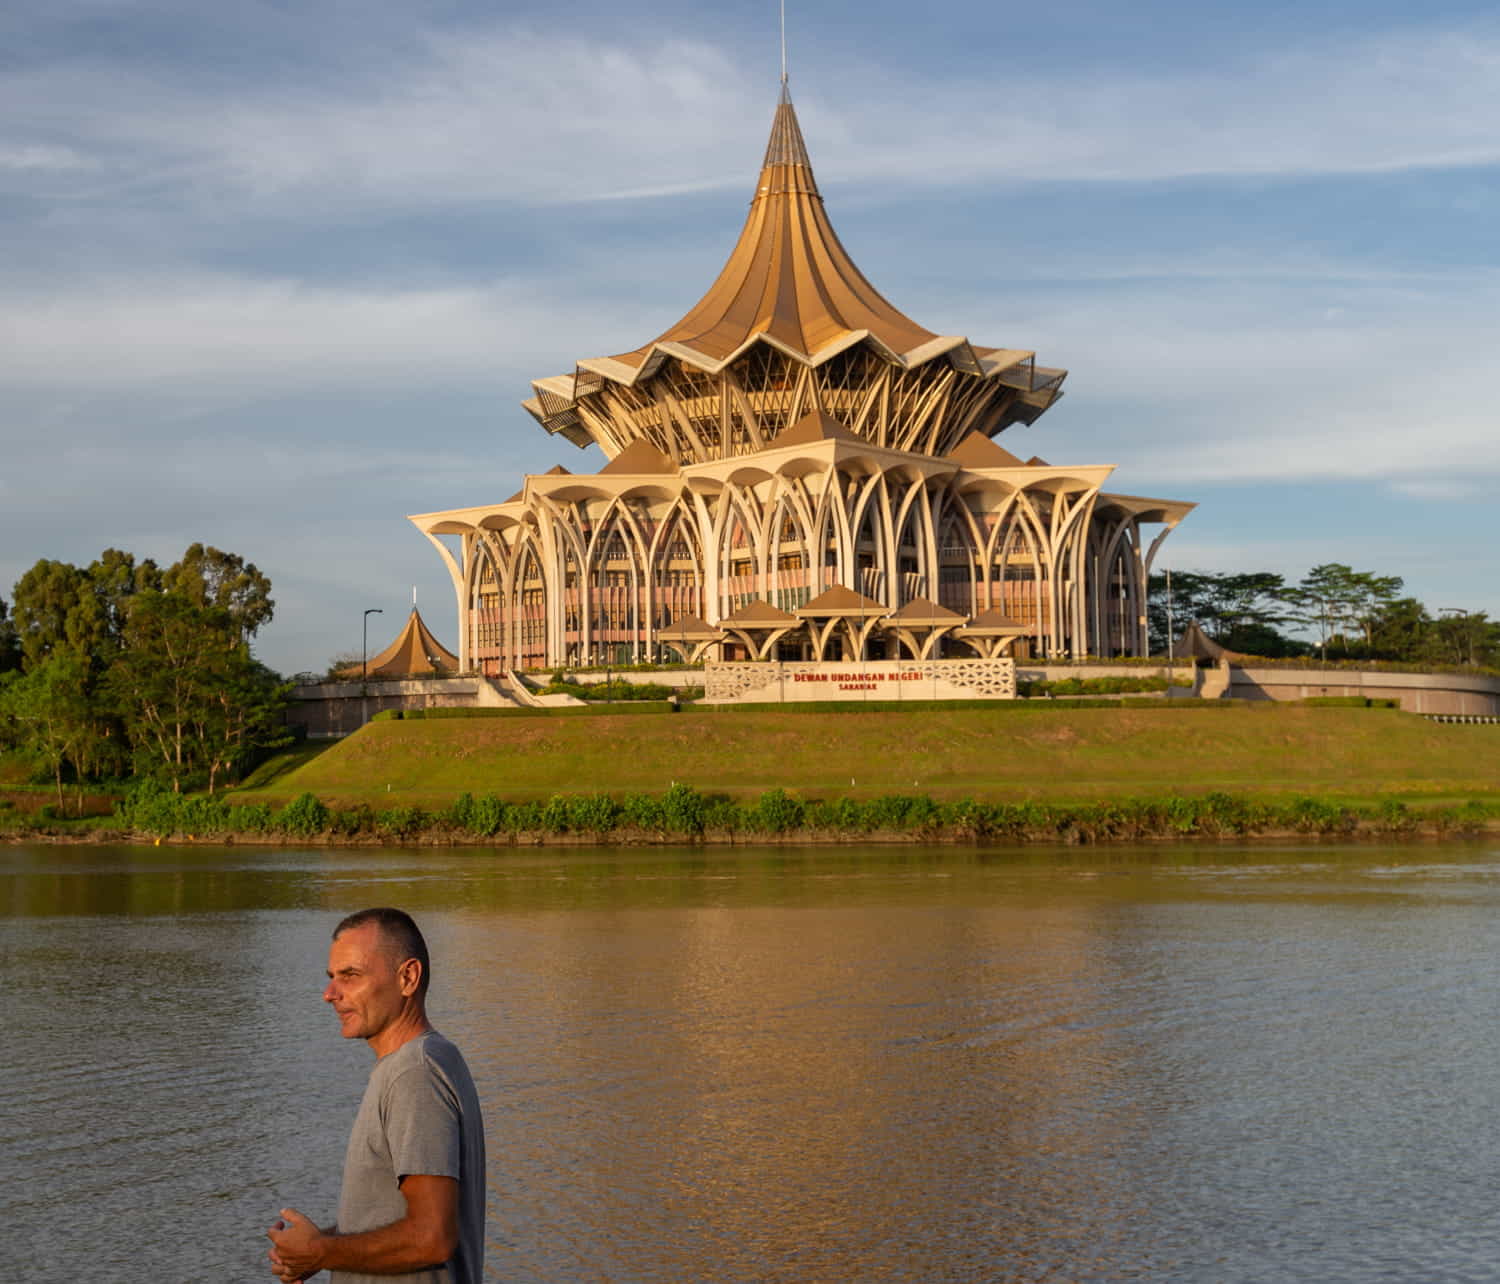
x: 430, y: 1053
x: 437, y: 1049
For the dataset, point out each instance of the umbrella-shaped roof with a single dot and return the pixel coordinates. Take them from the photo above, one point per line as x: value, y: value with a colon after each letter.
x: 415, y: 653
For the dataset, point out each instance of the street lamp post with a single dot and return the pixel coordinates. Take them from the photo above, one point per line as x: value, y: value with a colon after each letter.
x: 364, y: 643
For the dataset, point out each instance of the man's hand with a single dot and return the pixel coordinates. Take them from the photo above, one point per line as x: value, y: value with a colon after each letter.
x: 422, y: 1240
x: 296, y: 1247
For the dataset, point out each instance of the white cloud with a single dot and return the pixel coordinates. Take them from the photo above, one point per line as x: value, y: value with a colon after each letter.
x: 40, y: 156
x: 1253, y: 382
x: 190, y: 328
x: 1455, y: 489
x: 516, y: 113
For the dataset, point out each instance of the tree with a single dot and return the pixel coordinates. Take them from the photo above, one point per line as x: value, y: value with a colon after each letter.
x: 1241, y: 611
x: 194, y: 701
x: 1402, y: 630
x: 211, y: 578
x: 1339, y: 602
x: 56, y: 613
x: 10, y: 644
x: 247, y: 717
x: 115, y: 578
x: 62, y: 607
x: 1465, y: 637
x: 51, y: 718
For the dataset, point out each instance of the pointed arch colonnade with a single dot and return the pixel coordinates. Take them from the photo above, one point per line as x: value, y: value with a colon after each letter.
x: 793, y: 434
x: 580, y: 569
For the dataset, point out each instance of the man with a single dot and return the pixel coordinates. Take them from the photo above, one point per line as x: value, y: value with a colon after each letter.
x: 412, y: 1203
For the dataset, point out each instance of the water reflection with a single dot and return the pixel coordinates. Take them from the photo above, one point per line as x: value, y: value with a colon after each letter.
x: 1173, y: 1063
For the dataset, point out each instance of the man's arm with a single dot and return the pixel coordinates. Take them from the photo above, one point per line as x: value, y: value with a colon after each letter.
x: 426, y: 1237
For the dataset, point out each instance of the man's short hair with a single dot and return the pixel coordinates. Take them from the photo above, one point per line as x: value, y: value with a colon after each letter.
x: 401, y: 936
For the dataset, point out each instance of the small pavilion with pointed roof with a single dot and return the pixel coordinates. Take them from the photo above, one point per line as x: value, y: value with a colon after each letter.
x: 797, y: 460
x: 415, y: 653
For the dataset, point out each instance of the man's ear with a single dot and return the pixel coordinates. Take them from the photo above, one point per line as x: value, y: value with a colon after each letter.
x: 410, y: 976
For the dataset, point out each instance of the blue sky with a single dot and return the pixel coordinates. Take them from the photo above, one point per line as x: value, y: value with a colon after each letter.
x: 277, y: 274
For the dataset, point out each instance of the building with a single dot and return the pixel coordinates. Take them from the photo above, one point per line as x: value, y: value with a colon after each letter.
x: 799, y: 470
x: 414, y: 653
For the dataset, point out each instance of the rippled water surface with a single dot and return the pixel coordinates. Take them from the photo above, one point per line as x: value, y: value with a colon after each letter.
x: 1212, y: 1064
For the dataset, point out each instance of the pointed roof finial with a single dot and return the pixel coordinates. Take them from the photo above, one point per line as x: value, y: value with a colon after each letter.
x: 783, y: 49
x: 786, y: 147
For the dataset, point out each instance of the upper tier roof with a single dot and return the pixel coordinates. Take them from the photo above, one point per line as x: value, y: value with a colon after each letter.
x: 788, y: 283
x: 789, y: 277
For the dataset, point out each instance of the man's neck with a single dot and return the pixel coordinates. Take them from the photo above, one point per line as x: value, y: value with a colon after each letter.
x: 411, y: 1024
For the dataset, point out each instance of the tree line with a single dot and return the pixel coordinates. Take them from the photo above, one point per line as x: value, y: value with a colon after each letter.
x: 126, y: 669
x: 1333, y: 612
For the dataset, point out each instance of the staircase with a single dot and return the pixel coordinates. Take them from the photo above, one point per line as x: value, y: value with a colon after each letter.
x: 1215, y: 683
x: 507, y: 692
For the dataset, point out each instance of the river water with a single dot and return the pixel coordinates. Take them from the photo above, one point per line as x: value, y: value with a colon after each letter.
x: 1180, y: 1063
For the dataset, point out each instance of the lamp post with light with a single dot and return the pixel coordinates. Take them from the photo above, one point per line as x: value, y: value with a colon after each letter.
x: 364, y: 644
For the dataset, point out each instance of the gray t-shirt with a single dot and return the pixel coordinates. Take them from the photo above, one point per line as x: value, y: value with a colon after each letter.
x: 420, y: 1114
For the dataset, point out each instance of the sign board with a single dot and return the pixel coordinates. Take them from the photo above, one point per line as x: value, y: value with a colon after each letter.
x: 778, y: 682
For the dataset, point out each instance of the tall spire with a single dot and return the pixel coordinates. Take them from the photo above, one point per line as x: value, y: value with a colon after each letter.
x: 786, y: 147
x: 788, y: 279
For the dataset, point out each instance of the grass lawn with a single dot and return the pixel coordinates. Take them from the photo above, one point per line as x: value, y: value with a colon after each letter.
x: 1035, y: 751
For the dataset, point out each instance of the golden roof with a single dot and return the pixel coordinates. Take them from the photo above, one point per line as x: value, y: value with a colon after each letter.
x: 640, y: 459
x: 789, y: 277
x: 757, y: 613
x: 790, y: 284
x: 688, y: 628
x: 921, y: 610
x: 415, y: 653
x: 978, y: 451
x: 992, y: 623
x: 839, y: 600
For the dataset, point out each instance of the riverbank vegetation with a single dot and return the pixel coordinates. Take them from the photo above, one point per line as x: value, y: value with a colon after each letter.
x: 681, y: 814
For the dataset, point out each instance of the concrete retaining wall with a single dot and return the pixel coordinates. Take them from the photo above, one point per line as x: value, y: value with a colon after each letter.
x: 328, y: 710
x: 1418, y: 692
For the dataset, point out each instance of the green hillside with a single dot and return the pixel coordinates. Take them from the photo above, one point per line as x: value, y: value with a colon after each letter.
x: 1035, y: 751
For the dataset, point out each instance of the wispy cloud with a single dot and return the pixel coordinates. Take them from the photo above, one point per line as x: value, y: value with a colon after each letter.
x: 41, y: 156
x: 1255, y: 383
x: 514, y: 112
x: 186, y: 329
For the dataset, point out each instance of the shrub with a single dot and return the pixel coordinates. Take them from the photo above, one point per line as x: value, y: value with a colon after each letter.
x: 845, y: 814
x: 684, y: 810
x: 349, y: 822
x: 487, y: 816
x: 460, y: 812
x: 250, y: 818
x: 777, y: 812
x: 593, y: 813
x: 303, y: 816
x: 1320, y: 815
x: 720, y: 813
x: 400, y: 823
x: 528, y: 817
x: 1396, y: 817
x: 555, y: 815
x: 644, y: 812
